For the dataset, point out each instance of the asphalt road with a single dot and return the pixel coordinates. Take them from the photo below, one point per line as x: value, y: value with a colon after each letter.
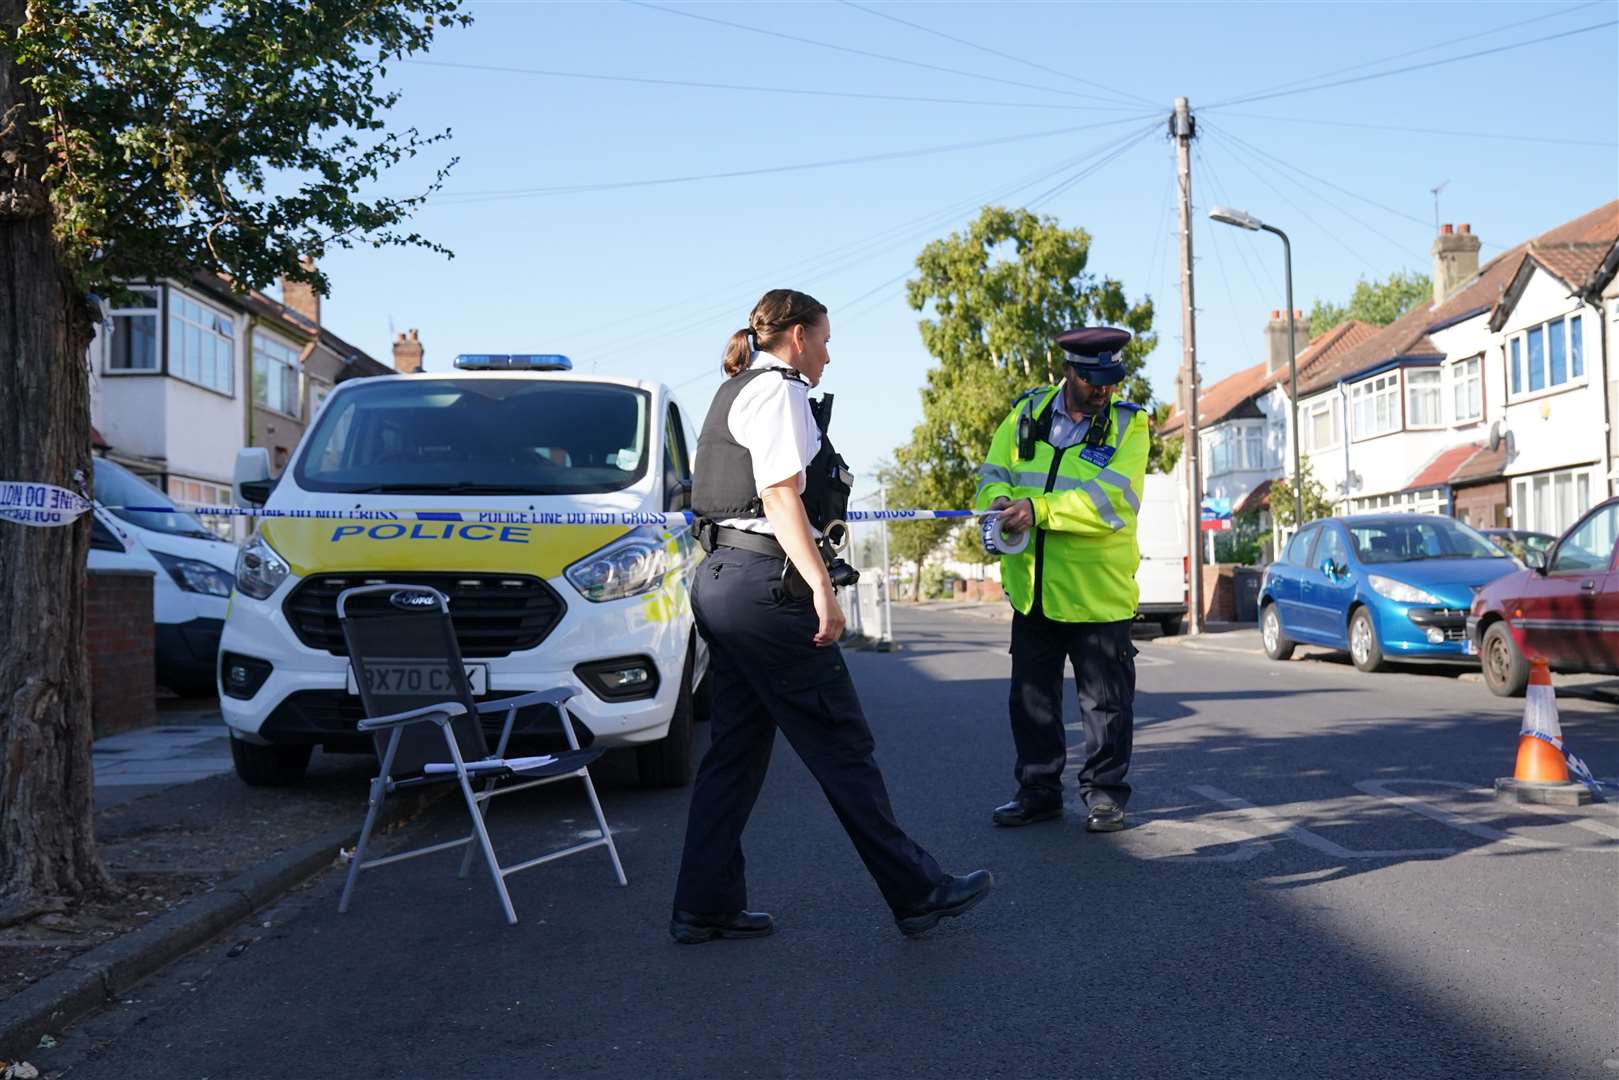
x: 1315, y: 883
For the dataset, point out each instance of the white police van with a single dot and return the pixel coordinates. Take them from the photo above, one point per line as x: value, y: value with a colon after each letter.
x: 603, y: 609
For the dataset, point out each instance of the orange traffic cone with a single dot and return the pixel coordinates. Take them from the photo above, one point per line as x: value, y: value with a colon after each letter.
x: 1540, y: 743
x: 1541, y: 775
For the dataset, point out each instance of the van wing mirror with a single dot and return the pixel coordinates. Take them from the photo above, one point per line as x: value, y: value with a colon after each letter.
x: 251, y: 481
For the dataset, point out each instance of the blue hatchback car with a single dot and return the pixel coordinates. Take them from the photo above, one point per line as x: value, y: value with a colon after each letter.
x: 1379, y: 585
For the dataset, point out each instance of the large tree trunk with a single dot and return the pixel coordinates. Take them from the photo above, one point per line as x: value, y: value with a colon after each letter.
x: 47, y: 840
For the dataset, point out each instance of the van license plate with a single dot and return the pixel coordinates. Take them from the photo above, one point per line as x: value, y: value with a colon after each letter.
x: 410, y: 678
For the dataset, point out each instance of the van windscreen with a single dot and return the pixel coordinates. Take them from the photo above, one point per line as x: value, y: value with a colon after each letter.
x: 478, y: 436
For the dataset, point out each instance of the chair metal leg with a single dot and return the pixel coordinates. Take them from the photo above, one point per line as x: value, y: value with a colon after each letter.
x: 378, y: 793
x: 607, y: 834
x: 483, y: 808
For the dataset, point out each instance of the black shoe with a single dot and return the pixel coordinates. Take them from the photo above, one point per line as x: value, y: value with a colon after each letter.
x: 951, y: 896
x: 1026, y: 811
x: 689, y: 929
x: 1105, y: 817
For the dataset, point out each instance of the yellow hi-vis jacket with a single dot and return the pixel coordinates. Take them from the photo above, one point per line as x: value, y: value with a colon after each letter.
x: 1081, y: 565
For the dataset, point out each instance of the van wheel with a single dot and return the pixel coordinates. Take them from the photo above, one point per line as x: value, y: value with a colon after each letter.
x: 1278, y: 646
x: 1172, y: 625
x: 269, y: 766
x: 1364, y: 648
x: 667, y: 762
x: 1506, y: 672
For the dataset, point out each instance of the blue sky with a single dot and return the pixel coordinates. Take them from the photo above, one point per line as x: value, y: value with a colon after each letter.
x: 650, y: 280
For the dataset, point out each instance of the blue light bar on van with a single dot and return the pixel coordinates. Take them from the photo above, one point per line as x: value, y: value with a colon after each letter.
x: 513, y: 362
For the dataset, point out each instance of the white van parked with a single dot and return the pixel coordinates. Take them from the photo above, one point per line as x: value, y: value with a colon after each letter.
x: 193, y: 571
x: 1161, y: 533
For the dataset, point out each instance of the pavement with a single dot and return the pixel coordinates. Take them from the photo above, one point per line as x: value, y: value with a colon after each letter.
x: 1316, y: 882
x: 189, y: 743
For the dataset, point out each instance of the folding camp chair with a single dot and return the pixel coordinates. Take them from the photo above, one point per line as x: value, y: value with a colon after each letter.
x: 421, y: 712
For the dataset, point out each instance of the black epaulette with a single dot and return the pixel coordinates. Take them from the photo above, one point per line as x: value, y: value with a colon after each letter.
x: 792, y: 375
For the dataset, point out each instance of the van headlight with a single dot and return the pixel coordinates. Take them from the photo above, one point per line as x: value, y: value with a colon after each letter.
x: 629, y: 566
x: 259, y: 570
x: 1400, y: 592
x: 194, y: 575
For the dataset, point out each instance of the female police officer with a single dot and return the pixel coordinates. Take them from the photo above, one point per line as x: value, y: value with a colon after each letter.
x: 767, y: 483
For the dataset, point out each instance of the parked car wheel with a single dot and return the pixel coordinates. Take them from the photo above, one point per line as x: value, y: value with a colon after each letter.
x: 1364, y: 648
x: 1171, y: 625
x: 1506, y: 670
x: 1278, y: 646
x: 269, y: 766
x: 667, y: 762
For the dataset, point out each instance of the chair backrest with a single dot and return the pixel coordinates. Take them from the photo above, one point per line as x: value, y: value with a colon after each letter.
x: 403, y: 650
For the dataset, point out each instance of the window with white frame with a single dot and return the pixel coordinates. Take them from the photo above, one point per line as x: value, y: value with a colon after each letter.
x: 1467, y: 390
x: 1429, y: 501
x: 1322, y: 423
x: 1547, y: 356
x: 132, y: 345
x: 1253, y: 447
x: 201, y: 344
x: 275, y: 374
x: 1375, y: 406
x: 1423, y: 398
x: 1550, y: 502
x: 197, y: 493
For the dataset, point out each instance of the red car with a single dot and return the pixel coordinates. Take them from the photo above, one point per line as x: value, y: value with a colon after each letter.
x: 1566, y: 610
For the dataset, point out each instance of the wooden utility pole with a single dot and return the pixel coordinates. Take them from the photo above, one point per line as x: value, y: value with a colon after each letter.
x: 1184, y: 128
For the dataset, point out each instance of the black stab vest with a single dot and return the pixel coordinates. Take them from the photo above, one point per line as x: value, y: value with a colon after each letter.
x: 722, y: 483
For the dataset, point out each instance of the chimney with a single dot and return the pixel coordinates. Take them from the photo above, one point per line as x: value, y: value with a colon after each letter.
x: 301, y: 296
x: 1455, y: 260
x: 407, y: 353
x: 1276, y: 357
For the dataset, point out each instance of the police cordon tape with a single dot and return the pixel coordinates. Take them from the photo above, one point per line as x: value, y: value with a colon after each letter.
x: 1580, y: 769
x: 48, y: 505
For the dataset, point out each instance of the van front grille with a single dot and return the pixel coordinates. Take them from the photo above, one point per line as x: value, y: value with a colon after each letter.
x: 494, y: 614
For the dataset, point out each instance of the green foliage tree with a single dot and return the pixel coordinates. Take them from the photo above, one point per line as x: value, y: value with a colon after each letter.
x: 144, y: 139
x: 1375, y: 302
x: 908, y: 484
x: 1164, y: 451
x: 998, y: 295
x: 1317, y: 504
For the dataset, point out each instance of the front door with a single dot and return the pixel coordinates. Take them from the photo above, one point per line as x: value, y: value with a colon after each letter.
x: 1327, y: 595
x: 1568, y: 613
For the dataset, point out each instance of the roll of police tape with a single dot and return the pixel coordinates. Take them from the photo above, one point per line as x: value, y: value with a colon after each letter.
x: 998, y: 541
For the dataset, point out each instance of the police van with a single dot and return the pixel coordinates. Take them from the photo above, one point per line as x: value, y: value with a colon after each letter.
x: 603, y: 609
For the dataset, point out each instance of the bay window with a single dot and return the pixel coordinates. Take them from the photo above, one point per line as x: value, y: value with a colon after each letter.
x: 1422, y: 398
x: 1375, y: 406
x: 1467, y: 390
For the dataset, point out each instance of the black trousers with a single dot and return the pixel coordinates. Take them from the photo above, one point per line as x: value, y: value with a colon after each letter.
x: 765, y: 675
x: 1104, y: 662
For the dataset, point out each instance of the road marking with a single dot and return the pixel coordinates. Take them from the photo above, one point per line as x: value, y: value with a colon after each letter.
x: 1381, y: 789
x: 1275, y: 824
x: 1247, y: 846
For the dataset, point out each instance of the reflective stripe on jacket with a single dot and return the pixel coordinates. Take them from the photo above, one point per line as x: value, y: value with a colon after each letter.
x: 1082, y: 563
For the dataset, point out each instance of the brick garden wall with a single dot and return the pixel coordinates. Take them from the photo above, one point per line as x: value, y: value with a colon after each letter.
x: 120, y: 640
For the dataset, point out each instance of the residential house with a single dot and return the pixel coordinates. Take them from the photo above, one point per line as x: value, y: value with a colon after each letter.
x: 1243, y: 418
x: 1423, y: 415
x: 185, y: 372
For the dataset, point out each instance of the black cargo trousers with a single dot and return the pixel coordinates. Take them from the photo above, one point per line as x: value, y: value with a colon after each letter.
x: 765, y: 674
x: 1104, y: 662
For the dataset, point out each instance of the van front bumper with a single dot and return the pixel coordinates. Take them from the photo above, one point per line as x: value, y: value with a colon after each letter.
x: 304, y: 698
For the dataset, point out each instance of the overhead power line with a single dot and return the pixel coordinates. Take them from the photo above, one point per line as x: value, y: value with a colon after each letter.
x: 798, y: 40
x: 1120, y: 94
x: 1422, y: 131
x: 1413, y: 67
x: 796, y: 90
x: 1425, y: 48
x: 462, y: 198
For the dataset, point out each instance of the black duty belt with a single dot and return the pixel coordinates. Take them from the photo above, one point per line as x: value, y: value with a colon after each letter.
x: 725, y: 536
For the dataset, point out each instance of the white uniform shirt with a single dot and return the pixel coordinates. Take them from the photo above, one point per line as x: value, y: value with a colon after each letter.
x: 771, y: 418
x: 1065, y: 430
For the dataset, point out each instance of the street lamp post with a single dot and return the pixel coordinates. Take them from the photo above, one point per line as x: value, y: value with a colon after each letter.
x: 1244, y: 220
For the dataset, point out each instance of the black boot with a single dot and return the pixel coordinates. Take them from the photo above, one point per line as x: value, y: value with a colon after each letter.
x: 689, y: 929
x: 951, y: 896
x: 1026, y: 810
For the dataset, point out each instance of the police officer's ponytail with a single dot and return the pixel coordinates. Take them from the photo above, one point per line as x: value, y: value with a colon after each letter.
x: 776, y: 313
